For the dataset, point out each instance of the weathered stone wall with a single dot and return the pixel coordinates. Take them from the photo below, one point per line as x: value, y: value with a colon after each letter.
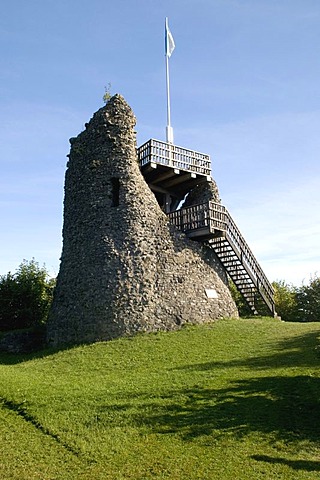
x: 203, y: 193
x: 22, y: 341
x: 123, y: 268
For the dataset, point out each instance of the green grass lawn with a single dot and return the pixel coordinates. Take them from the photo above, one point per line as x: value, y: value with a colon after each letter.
x: 238, y: 399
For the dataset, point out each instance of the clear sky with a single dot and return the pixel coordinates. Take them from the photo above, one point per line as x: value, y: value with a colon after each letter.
x: 244, y: 87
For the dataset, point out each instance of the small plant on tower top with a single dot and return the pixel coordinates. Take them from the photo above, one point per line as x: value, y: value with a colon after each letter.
x: 107, y: 93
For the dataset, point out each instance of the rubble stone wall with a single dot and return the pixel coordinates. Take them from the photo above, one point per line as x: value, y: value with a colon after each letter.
x: 124, y: 269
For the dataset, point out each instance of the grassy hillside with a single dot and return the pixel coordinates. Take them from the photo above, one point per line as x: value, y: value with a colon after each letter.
x: 235, y: 400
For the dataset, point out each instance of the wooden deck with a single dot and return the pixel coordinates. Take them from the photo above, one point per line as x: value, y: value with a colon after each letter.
x: 172, y: 170
x: 201, y: 222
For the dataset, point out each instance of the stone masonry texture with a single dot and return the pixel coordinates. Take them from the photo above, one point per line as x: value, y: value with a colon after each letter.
x: 203, y: 193
x: 123, y: 268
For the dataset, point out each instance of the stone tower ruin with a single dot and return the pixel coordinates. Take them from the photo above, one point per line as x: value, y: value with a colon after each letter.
x: 125, y: 268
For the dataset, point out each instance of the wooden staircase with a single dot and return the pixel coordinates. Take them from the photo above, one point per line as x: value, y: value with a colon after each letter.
x: 243, y: 268
x: 212, y: 224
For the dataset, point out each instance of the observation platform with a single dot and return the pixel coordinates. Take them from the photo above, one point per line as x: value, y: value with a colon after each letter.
x: 172, y: 171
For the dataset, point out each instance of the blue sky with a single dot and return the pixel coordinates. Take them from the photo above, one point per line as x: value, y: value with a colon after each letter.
x: 244, y: 89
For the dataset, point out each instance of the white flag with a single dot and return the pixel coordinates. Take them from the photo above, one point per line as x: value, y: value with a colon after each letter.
x: 169, y: 42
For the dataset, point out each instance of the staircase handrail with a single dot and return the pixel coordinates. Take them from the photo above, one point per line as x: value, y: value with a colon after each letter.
x: 253, y: 269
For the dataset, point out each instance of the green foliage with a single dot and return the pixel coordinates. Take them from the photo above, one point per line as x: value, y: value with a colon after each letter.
x: 292, y: 304
x: 308, y: 301
x: 25, y: 297
x: 286, y: 301
x: 107, y: 93
x: 298, y: 304
x: 237, y: 399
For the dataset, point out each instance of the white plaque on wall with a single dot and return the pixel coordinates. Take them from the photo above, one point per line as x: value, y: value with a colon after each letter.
x: 211, y: 293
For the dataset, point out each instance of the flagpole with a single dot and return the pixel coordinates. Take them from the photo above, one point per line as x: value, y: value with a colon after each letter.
x: 169, y: 130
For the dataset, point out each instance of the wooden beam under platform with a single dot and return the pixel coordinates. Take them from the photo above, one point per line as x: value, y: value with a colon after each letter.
x: 150, y: 167
x: 183, y: 177
x: 165, y: 176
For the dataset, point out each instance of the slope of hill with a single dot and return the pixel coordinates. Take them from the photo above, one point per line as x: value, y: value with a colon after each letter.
x: 238, y: 399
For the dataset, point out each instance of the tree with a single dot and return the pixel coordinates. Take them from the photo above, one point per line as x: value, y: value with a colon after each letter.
x: 308, y: 301
x: 285, y: 298
x: 292, y: 304
x: 25, y: 297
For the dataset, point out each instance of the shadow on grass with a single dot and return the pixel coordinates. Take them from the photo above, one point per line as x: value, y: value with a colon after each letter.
x: 286, y: 407
x: 300, y: 351
x: 15, y: 358
x: 307, y: 465
x: 21, y: 411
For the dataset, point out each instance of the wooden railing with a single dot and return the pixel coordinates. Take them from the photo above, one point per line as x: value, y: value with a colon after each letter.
x: 249, y: 262
x: 176, y: 157
x: 209, y: 215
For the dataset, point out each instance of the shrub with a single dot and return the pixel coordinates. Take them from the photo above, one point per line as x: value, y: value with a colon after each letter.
x: 308, y: 301
x: 285, y: 298
x: 25, y: 297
